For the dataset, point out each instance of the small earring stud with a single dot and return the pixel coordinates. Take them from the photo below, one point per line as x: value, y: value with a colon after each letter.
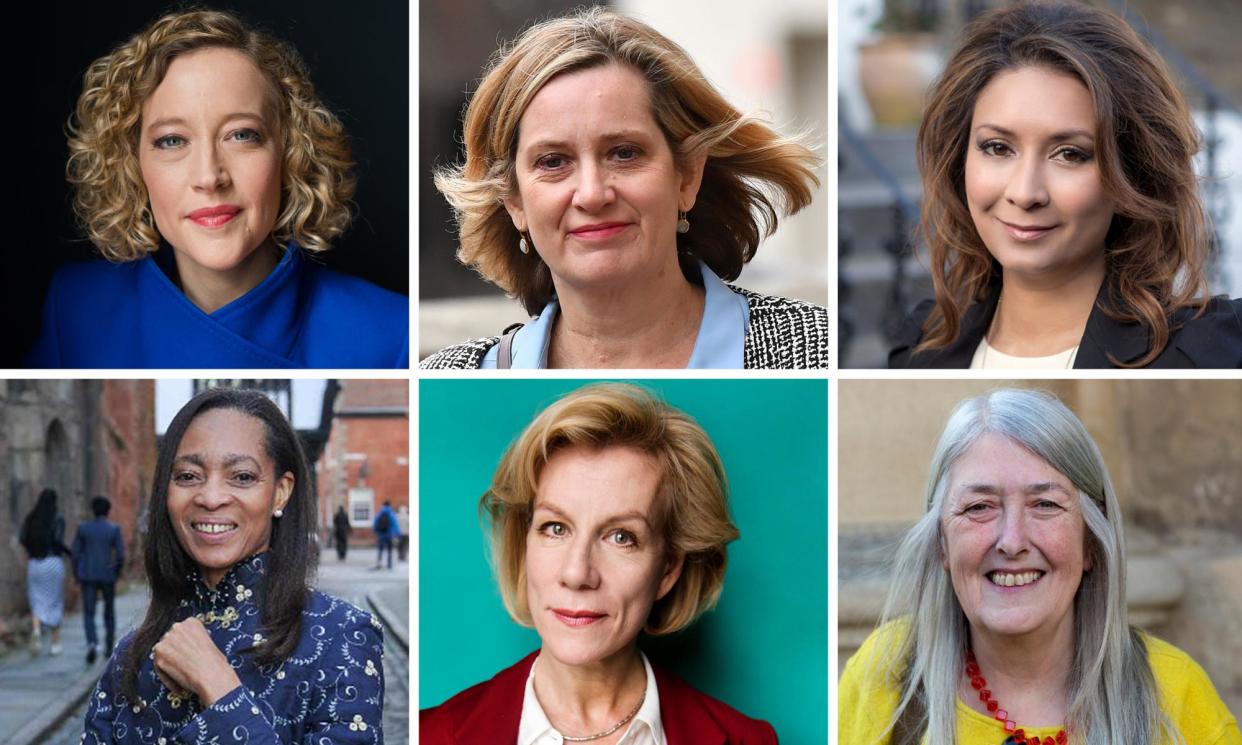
x: 683, y: 224
x: 278, y: 514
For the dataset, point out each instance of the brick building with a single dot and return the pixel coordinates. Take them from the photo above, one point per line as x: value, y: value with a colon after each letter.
x: 81, y: 438
x: 365, y: 459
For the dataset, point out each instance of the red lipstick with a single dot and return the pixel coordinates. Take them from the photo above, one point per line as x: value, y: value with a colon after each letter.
x: 598, y: 231
x: 214, y: 217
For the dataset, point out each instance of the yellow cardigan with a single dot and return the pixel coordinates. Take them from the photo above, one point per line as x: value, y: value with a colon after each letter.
x: 1186, y: 694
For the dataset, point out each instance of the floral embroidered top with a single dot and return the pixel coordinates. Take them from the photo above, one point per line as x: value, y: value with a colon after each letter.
x: 328, y: 692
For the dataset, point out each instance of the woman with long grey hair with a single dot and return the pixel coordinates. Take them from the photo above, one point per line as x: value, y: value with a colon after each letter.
x: 1006, y: 617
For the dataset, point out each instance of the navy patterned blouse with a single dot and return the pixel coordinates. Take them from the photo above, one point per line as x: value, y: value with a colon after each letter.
x: 328, y: 692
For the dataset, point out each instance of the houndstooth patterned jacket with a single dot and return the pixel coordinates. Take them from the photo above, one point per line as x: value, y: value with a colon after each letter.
x: 783, y: 335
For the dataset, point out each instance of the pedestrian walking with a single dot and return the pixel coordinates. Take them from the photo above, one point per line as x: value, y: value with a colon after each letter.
x: 340, y: 531
x: 98, y: 559
x: 386, y: 531
x: 43, y: 536
x: 403, y: 524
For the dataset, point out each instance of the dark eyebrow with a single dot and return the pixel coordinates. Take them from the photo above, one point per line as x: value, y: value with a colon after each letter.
x: 613, y: 136
x: 1064, y: 134
x: 195, y: 459
x: 230, y: 459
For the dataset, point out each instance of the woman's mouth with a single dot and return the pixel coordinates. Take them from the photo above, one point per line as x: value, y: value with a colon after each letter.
x: 599, y: 231
x: 1014, y: 579
x: 576, y: 618
x: 213, y: 532
x: 1027, y: 233
x: 214, y: 217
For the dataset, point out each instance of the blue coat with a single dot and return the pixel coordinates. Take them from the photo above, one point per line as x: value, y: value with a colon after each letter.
x: 393, y: 531
x: 98, y: 551
x: 302, y: 315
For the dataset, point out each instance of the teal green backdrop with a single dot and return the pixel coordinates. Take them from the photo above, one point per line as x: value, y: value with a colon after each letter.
x: 763, y: 650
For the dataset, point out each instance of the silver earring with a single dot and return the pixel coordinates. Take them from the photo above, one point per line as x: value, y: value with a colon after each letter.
x: 523, y: 246
x: 278, y: 514
x: 683, y: 225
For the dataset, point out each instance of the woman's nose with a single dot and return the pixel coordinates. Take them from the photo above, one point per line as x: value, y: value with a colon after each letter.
x: 1013, y: 539
x: 214, y: 493
x: 1026, y: 188
x: 593, y: 190
x: 210, y: 170
x: 578, y: 572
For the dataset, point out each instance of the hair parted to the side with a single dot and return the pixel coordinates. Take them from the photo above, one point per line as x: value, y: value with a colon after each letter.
x: 110, y: 197
x: 292, y: 558
x: 752, y: 173
x: 1157, y: 245
x: 691, y: 499
x: 1112, y: 693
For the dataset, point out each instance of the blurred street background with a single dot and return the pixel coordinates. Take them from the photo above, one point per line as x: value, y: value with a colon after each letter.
x: 766, y: 58
x: 88, y: 437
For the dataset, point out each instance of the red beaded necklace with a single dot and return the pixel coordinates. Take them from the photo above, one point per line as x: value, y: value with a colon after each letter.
x: 1017, y: 736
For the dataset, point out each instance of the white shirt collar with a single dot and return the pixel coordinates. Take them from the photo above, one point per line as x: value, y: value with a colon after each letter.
x: 645, y: 728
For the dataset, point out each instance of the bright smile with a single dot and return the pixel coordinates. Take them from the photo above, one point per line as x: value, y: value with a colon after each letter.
x: 214, y: 217
x: 1015, y: 579
x: 213, y: 532
x: 599, y: 232
x: 1026, y: 233
x: 576, y: 618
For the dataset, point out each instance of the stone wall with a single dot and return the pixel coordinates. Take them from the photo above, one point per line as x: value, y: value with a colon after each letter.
x: 1174, y: 450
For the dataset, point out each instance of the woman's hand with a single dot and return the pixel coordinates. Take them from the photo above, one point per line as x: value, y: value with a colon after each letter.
x: 186, y: 659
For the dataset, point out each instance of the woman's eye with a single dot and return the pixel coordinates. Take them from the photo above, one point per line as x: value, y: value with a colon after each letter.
x: 168, y: 142
x: 977, y: 508
x: 555, y: 530
x: 245, y: 478
x: 622, y: 538
x: 550, y: 162
x: 184, y: 477
x: 1073, y: 155
x: 246, y: 135
x: 626, y: 152
x: 1048, y: 504
x: 995, y: 148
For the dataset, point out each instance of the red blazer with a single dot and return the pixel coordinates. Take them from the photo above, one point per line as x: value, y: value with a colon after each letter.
x: 489, y: 713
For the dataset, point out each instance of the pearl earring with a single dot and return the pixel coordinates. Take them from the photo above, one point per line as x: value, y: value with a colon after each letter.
x: 278, y: 514
x: 683, y: 225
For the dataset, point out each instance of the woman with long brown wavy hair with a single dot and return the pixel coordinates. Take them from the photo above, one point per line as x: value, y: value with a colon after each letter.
x: 1061, y: 209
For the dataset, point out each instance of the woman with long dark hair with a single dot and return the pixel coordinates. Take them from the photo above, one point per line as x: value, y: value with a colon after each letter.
x: 42, y: 536
x: 235, y: 645
x: 1061, y: 209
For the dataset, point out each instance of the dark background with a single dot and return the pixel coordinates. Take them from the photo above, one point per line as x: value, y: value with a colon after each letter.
x: 358, y: 56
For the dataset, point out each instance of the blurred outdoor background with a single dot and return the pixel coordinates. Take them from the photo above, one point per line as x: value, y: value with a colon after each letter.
x: 770, y: 58
x: 89, y: 437
x: 891, y: 50
x: 1172, y: 447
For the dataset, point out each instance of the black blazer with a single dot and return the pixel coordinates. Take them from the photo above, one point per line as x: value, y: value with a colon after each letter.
x: 1213, y: 340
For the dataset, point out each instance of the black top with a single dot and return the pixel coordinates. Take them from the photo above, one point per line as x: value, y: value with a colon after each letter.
x: 1213, y: 340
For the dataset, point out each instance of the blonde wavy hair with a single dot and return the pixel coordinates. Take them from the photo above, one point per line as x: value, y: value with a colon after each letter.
x: 110, y: 197
x: 751, y: 174
x: 691, y: 505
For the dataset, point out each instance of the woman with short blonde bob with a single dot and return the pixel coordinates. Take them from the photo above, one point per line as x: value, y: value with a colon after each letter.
x: 1068, y: 234
x: 207, y: 173
x: 1006, y: 615
x: 612, y: 190
x: 609, y: 517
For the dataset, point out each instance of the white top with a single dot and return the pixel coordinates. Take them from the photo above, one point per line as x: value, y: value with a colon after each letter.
x: 988, y: 357
x: 644, y: 729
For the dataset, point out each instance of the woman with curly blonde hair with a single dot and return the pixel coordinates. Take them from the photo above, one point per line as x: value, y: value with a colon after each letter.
x: 206, y: 172
x: 610, y: 189
x: 1068, y: 233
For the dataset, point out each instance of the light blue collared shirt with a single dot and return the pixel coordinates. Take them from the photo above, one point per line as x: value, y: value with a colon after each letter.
x: 719, y: 345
